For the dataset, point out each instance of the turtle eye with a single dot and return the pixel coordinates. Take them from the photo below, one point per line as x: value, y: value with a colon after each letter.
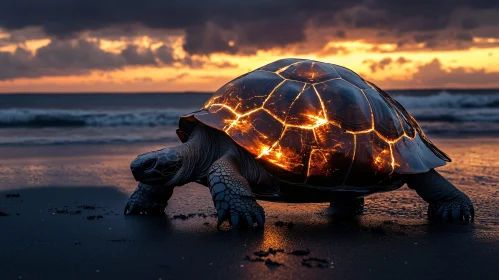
x: 149, y: 163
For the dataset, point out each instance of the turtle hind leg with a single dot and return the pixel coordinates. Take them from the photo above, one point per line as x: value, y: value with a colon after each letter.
x: 446, y: 202
x: 147, y: 199
x: 347, y: 207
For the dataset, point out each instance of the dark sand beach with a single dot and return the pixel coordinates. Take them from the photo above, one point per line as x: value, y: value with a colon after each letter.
x: 61, y: 218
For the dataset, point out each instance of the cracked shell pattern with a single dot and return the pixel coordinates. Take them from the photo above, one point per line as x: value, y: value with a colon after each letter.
x: 282, y: 112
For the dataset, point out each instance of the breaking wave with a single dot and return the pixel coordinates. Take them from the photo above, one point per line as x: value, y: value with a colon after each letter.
x: 77, y: 118
x: 441, y: 107
x: 456, y: 115
x: 63, y: 140
x: 447, y: 100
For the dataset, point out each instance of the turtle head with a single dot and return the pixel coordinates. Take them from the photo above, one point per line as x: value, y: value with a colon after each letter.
x: 157, y: 167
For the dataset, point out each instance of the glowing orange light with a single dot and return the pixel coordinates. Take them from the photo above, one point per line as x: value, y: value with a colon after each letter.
x: 265, y: 150
x: 318, y: 120
x: 315, y: 121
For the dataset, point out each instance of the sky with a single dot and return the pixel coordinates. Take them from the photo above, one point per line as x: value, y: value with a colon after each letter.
x: 198, y: 45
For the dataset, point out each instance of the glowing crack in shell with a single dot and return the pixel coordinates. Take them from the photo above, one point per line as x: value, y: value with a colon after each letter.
x: 320, y: 120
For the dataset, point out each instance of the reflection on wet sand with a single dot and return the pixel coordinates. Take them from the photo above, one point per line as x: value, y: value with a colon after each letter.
x: 392, y: 239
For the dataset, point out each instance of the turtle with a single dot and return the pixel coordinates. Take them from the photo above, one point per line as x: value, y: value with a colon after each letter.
x: 297, y: 131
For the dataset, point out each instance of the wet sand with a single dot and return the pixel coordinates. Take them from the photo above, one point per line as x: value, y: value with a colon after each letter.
x: 67, y: 223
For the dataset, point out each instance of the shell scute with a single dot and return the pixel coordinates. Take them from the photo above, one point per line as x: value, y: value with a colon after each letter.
x: 215, y: 116
x: 330, y: 162
x: 256, y: 132
x: 351, y: 77
x: 246, y: 93
x: 345, y: 104
x: 291, y: 152
x: 280, y: 64
x: 306, y: 110
x: 386, y: 120
x: 407, y: 158
x: 310, y: 72
x: 372, y: 162
x: 341, y: 132
x: 427, y: 155
x: 279, y: 103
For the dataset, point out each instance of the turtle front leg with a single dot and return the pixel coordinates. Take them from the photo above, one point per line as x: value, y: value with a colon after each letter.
x: 445, y: 200
x: 232, y: 195
x: 148, y: 199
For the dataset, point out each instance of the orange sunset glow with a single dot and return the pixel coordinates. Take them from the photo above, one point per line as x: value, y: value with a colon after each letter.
x: 458, y: 48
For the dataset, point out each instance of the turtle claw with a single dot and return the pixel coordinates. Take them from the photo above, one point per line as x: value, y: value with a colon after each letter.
x: 250, y: 221
x: 222, y: 216
x: 467, y: 215
x: 129, y: 208
x: 260, y: 220
x: 459, y: 208
x: 247, y: 221
x: 456, y: 214
x: 147, y: 200
x: 234, y: 221
x: 445, y: 215
x: 242, y: 212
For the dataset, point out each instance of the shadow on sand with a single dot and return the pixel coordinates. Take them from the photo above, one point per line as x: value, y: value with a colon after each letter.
x: 81, y: 233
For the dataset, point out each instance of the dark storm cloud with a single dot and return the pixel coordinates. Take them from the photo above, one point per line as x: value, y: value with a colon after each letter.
x: 433, y: 74
x: 58, y: 59
x: 15, y: 65
x: 464, y: 36
x: 341, y: 34
x: 223, y: 64
x: 210, y: 26
x: 424, y: 37
x: 469, y: 23
x: 76, y: 57
x: 165, y: 54
x: 384, y: 63
x: 207, y: 39
x: 402, y: 60
x: 378, y: 65
x: 133, y: 56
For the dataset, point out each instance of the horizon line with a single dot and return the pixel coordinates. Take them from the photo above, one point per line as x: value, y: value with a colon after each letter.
x: 208, y: 92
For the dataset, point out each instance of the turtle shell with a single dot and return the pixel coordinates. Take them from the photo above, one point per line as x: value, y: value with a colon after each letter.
x: 319, y: 124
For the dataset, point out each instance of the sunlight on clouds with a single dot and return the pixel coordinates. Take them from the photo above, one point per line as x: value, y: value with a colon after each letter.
x: 30, y: 45
x: 8, y: 48
x: 207, y: 73
x: 33, y: 45
x: 485, y: 40
x: 361, y: 46
x: 110, y: 45
x: 475, y: 58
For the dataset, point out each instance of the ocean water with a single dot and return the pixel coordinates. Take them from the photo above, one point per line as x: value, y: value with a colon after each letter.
x: 61, y: 119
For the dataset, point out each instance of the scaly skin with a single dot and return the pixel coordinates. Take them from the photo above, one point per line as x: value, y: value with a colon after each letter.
x: 446, y: 202
x: 217, y: 159
x: 232, y: 195
x: 147, y: 199
x: 457, y: 207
